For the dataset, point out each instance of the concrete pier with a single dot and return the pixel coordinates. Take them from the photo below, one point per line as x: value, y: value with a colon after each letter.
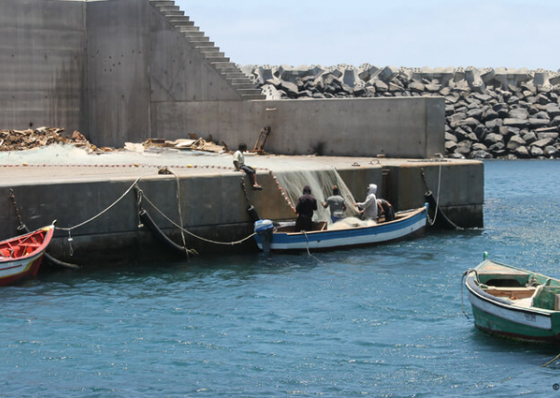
x: 212, y: 202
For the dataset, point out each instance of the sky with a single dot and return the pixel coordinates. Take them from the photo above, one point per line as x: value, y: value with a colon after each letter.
x: 434, y: 33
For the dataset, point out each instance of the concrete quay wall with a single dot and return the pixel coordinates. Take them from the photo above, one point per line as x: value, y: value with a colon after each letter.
x: 213, y: 204
x: 394, y: 127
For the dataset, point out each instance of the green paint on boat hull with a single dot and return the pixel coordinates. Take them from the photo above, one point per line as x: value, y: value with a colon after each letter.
x: 512, y: 330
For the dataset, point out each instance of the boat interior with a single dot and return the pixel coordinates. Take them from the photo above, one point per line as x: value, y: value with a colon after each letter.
x: 289, y: 226
x: 521, y: 288
x: 19, y: 248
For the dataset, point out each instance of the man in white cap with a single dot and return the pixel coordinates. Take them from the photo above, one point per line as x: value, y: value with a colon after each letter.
x: 369, y: 206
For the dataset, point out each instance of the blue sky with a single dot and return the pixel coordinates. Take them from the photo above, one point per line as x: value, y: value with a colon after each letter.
x: 433, y: 33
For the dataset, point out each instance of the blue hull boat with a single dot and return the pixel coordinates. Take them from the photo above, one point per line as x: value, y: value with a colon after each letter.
x: 406, y: 224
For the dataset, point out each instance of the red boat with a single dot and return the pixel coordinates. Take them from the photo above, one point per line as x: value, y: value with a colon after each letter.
x: 20, y: 257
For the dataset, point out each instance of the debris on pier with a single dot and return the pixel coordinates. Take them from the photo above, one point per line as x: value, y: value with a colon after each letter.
x: 193, y: 144
x: 20, y: 140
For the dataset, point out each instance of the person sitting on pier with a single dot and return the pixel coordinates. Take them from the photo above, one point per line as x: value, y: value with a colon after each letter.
x: 369, y: 206
x: 336, y: 205
x: 385, y: 209
x: 239, y: 163
x: 305, y: 207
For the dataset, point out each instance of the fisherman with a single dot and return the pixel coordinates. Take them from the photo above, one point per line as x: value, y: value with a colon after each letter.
x: 386, y: 209
x: 336, y: 205
x: 369, y: 206
x: 239, y: 163
x: 305, y: 206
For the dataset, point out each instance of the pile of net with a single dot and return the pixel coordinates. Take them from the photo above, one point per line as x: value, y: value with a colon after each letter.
x: 351, y: 222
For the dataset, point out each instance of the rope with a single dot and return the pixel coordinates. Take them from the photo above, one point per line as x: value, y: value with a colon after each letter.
x: 141, y: 196
x: 103, y: 211
x: 428, y: 191
x: 192, y: 234
x: 437, y: 197
x: 552, y: 360
x: 308, y: 251
x: 178, y: 196
x: 462, y: 285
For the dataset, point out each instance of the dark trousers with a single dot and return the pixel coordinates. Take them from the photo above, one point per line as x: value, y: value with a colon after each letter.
x: 303, y: 223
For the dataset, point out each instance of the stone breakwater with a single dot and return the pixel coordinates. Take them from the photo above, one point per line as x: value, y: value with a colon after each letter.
x: 490, y: 113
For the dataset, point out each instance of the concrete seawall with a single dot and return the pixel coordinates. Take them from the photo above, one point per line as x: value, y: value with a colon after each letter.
x: 212, y: 201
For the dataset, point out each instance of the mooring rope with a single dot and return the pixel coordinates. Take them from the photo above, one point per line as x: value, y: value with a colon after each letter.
x: 103, y: 211
x: 142, y: 195
x: 437, y: 197
x: 192, y: 234
x: 178, y: 196
x: 462, y: 285
x: 551, y: 361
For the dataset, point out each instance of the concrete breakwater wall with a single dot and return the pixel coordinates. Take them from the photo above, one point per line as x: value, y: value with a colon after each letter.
x: 96, y: 205
x: 490, y: 113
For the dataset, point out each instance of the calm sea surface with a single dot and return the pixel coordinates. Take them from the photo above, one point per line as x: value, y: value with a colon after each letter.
x: 381, y: 321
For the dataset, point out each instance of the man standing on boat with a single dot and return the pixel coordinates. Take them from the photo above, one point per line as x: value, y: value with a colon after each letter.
x: 385, y: 209
x: 336, y: 205
x: 305, y: 207
x: 369, y: 206
x: 239, y: 163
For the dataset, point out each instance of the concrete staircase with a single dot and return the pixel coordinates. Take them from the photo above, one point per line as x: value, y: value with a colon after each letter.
x: 182, y: 23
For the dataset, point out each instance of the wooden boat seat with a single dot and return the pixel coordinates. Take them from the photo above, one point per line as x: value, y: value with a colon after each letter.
x: 512, y: 293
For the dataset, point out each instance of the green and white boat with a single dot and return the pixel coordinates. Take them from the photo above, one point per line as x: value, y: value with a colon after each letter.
x: 514, y: 303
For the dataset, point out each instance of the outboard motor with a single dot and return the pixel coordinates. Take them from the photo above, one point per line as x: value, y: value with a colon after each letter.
x: 265, y: 229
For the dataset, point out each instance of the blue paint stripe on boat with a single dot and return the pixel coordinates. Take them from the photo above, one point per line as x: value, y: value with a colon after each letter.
x: 322, y: 238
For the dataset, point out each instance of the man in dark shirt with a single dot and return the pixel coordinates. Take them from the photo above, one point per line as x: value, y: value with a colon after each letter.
x: 305, y: 206
x: 386, y: 209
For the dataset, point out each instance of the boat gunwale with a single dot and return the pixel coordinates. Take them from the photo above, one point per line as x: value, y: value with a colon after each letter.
x: 414, y: 212
x: 481, y: 294
x: 37, y: 251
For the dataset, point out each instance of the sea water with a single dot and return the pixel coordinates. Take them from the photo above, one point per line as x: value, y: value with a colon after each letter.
x: 384, y: 321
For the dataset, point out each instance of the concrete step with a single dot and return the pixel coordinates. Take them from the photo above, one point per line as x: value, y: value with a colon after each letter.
x: 208, y: 50
x: 162, y: 3
x: 223, y: 65
x: 228, y: 71
x: 212, y: 54
x: 238, y: 75
x: 241, y: 86
x: 168, y: 8
x: 191, y: 28
x: 178, y: 19
x: 172, y: 13
x: 253, y: 96
x: 197, y: 44
x: 217, y: 59
x: 241, y: 80
x: 182, y: 24
x: 194, y: 34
